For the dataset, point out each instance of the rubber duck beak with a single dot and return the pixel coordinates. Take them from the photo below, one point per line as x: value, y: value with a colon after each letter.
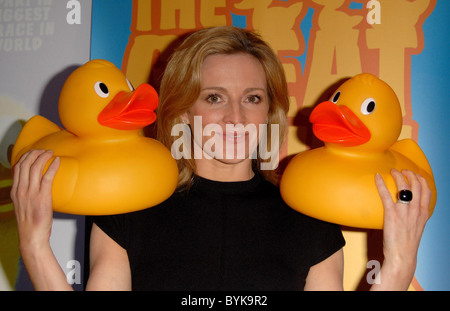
x: 131, y: 110
x: 338, y: 125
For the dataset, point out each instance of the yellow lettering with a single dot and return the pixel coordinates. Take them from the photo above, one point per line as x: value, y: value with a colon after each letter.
x: 209, y: 15
x: 178, y: 14
x: 396, y: 38
x: 143, y: 15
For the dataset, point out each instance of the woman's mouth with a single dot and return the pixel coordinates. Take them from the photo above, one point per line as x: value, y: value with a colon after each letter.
x: 235, y: 137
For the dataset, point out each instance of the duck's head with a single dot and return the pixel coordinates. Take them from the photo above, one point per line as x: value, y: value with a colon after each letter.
x: 98, y: 101
x: 363, y: 115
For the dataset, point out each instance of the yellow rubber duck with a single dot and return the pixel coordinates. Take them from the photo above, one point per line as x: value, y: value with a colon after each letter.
x: 107, y: 166
x: 360, y: 126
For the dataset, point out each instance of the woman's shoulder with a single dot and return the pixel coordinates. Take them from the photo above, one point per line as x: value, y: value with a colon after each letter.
x: 271, y: 193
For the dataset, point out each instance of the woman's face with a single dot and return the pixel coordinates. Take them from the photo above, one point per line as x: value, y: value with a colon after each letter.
x: 233, y: 102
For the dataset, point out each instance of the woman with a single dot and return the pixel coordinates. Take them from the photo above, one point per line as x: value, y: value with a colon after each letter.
x: 227, y: 227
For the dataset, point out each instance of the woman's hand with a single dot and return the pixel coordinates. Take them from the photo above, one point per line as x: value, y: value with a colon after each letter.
x: 31, y: 194
x: 32, y: 198
x: 404, y: 224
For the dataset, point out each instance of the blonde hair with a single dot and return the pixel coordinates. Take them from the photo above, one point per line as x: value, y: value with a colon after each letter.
x: 180, y: 85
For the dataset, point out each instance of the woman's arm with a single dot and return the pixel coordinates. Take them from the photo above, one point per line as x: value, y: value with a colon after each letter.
x: 403, y: 228
x: 327, y: 274
x: 109, y: 264
x: 31, y: 195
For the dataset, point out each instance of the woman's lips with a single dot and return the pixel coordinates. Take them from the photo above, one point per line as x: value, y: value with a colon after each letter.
x: 235, y: 137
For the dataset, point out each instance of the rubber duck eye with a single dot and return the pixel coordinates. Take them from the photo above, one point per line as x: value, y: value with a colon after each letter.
x: 336, y: 97
x: 368, y: 106
x: 101, y: 89
x: 130, y: 85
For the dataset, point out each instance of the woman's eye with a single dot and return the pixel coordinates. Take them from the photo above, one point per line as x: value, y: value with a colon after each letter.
x: 254, y: 99
x: 213, y: 98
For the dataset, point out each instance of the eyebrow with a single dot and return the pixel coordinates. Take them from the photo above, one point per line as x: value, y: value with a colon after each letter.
x: 219, y: 88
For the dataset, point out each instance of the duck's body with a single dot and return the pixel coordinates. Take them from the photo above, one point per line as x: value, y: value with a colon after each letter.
x: 336, y: 183
x: 340, y: 188
x: 116, y: 171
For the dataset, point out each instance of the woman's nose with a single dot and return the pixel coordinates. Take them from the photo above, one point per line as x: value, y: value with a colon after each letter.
x: 235, y: 114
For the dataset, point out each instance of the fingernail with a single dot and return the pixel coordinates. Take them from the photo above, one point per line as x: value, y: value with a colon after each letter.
x: 378, y: 177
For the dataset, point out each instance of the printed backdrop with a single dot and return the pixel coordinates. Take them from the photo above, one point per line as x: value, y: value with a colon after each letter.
x: 319, y: 42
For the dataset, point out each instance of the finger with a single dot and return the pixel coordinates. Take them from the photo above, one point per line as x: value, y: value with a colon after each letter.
x: 21, y: 174
x: 426, y: 196
x: 24, y: 165
x: 47, y: 179
x: 30, y: 156
x: 414, y: 184
x: 383, y: 191
x: 37, y: 169
x: 16, y: 172
x: 400, y: 180
x: 20, y: 190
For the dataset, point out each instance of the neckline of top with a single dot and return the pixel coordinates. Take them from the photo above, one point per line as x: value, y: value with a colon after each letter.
x: 232, y: 187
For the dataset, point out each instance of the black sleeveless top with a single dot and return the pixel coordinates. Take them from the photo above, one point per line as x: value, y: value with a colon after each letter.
x: 222, y: 236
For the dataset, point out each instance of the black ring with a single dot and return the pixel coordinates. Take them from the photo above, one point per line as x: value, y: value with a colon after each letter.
x: 404, y: 196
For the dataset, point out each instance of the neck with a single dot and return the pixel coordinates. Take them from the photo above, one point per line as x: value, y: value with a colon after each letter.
x: 219, y: 171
